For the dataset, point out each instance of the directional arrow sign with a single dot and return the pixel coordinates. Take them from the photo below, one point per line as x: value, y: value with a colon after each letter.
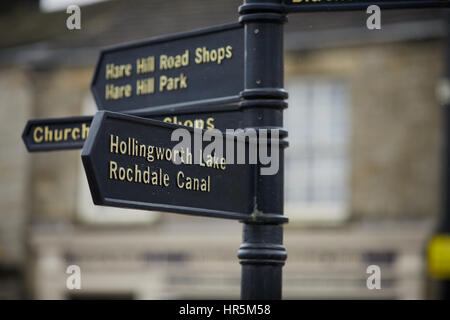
x: 205, y: 66
x: 56, y: 134
x: 71, y: 132
x: 337, y: 5
x: 129, y: 163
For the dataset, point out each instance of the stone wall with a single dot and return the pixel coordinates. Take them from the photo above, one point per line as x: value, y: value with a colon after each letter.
x: 396, y: 123
x: 15, y: 106
x: 59, y: 93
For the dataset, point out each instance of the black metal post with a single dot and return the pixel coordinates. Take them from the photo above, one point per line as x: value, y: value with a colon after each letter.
x: 262, y: 254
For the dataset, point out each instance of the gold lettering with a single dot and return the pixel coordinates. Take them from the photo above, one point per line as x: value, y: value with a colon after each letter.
x: 173, y: 62
x: 166, y: 180
x: 201, y: 163
x: 155, y: 178
x: 48, y: 134
x: 66, y: 133
x: 193, y: 184
x: 58, y: 135
x: 117, y: 71
x: 172, y: 83
x: 147, y: 176
x: 198, y: 55
x: 114, y: 145
x: 36, y: 138
x: 123, y: 147
x: 196, y: 123
x: 229, y: 54
x: 210, y: 123
x: 130, y: 175
x: 180, y: 176
x: 168, y: 119
x: 75, y: 133
x: 117, y: 92
x: 145, y: 86
x: 137, y: 174
x: 150, y: 156
x: 145, y: 65
x: 205, y: 55
x: 84, y: 131
x: 223, y: 164
x: 112, y: 170
x: 199, y: 123
x: 121, y: 174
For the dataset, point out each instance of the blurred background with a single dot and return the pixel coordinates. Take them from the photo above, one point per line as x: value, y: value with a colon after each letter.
x: 364, y: 167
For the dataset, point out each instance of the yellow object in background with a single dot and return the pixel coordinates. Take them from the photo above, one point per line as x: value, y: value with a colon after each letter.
x: 439, y: 257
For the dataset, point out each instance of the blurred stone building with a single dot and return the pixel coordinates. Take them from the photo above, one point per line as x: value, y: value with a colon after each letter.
x: 363, y: 166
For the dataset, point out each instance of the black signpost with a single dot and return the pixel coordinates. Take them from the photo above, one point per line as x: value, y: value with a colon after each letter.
x: 131, y: 162
x: 262, y: 254
x: 204, y: 67
x: 71, y: 132
x: 56, y: 133
x: 222, y: 77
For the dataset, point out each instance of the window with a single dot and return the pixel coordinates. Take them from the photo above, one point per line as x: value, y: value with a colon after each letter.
x: 318, y: 159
